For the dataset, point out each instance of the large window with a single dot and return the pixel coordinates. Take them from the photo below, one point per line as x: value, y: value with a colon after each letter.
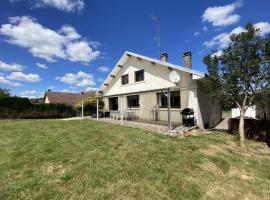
x: 139, y: 75
x: 133, y: 101
x: 175, y: 100
x: 125, y: 79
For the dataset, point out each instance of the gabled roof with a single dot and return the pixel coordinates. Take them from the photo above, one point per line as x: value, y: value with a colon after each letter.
x: 66, y: 97
x: 128, y: 54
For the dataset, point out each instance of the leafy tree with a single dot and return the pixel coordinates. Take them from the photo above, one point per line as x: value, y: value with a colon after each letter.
x: 89, y: 105
x: 4, y: 92
x: 241, y: 75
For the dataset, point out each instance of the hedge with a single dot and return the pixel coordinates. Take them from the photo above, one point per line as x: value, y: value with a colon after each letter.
x: 22, y: 108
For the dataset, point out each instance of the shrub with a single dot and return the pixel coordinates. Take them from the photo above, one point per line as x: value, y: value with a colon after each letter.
x: 89, y: 106
x: 22, y: 108
x: 15, y: 103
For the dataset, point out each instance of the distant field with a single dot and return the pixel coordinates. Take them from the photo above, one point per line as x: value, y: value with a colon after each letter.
x: 54, y: 159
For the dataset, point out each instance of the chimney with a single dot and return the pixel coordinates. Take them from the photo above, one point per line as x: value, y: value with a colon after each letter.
x: 187, y: 59
x: 164, y: 57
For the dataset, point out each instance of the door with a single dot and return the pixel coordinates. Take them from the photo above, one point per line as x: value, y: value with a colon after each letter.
x: 113, y: 103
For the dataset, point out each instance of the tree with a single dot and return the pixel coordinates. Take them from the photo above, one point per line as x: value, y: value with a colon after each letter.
x: 4, y: 92
x: 241, y: 75
x: 90, y: 105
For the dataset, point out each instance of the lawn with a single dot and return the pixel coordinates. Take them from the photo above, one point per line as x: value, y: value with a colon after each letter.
x: 54, y: 159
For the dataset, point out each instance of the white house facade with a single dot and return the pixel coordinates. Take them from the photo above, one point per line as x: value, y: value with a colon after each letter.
x: 137, y: 83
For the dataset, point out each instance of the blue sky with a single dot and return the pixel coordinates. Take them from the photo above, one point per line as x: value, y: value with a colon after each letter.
x: 71, y: 45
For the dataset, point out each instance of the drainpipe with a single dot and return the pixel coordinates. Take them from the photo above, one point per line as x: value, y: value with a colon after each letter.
x: 169, y: 109
x: 97, y: 108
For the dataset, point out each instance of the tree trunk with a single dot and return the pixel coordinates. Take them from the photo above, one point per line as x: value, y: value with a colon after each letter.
x: 242, y: 127
x: 242, y: 121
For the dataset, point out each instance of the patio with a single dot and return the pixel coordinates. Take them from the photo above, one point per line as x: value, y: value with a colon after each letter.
x: 134, y: 124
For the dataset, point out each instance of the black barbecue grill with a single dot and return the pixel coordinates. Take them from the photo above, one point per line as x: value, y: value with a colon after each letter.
x: 188, y: 117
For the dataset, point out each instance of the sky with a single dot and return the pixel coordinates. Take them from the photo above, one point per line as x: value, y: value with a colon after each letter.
x: 72, y: 45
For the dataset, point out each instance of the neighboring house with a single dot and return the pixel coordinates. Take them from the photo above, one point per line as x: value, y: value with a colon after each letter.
x: 253, y: 112
x: 137, y: 83
x: 66, y: 97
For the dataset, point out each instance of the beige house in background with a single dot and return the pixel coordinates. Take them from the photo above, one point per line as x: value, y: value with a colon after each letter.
x: 137, y: 83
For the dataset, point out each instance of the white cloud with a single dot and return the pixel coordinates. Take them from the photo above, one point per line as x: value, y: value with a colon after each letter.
x: 218, y: 53
x: 205, y: 29
x: 103, y: 69
x: 196, y: 33
x: 264, y: 27
x: 68, y: 90
x: 100, y: 80
x: 43, y: 66
x: 64, y: 5
x: 81, y: 51
x: 5, y: 81
x: 31, y: 94
x: 221, y: 16
x: 48, y: 44
x: 90, y: 89
x: 11, y: 67
x: 222, y: 39
x: 19, y: 76
x: 69, y: 32
x: 94, y: 44
x: 81, y: 79
x: 27, y: 92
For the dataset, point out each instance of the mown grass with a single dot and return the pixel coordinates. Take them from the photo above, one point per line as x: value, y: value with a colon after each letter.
x: 226, y: 113
x: 54, y: 159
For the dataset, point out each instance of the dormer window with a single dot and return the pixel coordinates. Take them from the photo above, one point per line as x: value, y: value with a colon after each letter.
x: 139, y: 75
x: 125, y: 79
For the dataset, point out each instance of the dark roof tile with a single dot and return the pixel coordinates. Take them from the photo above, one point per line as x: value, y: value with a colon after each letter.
x: 66, y: 97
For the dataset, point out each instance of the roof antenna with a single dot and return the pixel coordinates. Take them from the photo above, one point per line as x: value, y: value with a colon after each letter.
x: 157, y: 38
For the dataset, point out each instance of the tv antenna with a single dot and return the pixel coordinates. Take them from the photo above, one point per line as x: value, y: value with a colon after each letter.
x: 157, y: 38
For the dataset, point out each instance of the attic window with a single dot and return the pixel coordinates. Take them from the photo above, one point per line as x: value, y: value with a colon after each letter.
x: 124, y: 79
x: 139, y: 75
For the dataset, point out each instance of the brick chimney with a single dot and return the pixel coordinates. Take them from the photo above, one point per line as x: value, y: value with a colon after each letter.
x: 187, y: 59
x: 164, y: 57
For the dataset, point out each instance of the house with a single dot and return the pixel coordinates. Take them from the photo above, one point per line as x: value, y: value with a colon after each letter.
x: 66, y: 97
x: 253, y: 112
x: 137, y: 83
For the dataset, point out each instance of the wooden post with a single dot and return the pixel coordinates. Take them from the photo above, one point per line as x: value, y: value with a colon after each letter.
x: 122, y: 112
x: 82, y: 109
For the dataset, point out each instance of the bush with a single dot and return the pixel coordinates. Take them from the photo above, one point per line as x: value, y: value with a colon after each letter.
x: 22, y: 108
x: 15, y: 103
x: 89, y: 106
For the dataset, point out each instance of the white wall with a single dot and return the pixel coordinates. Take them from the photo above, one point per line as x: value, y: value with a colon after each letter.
x: 46, y: 100
x: 251, y: 112
x: 155, y: 77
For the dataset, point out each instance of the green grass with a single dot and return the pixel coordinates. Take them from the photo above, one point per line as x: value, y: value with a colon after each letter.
x: 54, y: 159
x: 226, y: 113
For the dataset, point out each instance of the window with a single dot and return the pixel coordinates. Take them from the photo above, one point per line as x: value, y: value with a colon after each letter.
x: 175, y: 99
x: 125, y: 79
x: 139, y: 75
x: 133, y: 101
